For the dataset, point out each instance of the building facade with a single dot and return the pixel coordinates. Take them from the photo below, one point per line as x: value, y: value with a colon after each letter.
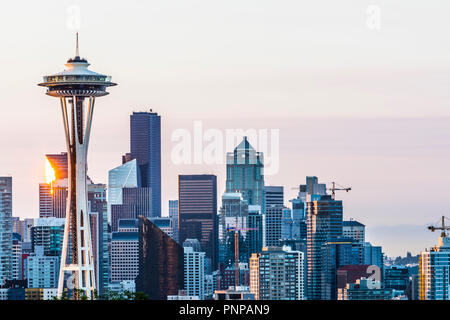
x: 161, y: 262
x: 145, y: 147
x: 245, y: 173
x: 197, y: 205
x: 6, y: 241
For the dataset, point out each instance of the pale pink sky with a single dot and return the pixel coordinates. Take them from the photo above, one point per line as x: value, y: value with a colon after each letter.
x: 367, y: 108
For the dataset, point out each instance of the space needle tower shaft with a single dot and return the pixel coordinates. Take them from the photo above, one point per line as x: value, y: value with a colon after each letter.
x: 77, y: 88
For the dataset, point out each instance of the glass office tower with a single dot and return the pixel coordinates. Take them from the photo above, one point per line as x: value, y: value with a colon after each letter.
x: 324, y: 222
x: 145, y: 138
x: 245, y: 173
x: 123, y: 176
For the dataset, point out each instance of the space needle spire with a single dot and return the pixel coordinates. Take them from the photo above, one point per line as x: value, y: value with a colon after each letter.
x: 77, y: 50
x: 77, y: 87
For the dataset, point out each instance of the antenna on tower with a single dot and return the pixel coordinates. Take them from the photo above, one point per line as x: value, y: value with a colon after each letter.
x: 77, y: 53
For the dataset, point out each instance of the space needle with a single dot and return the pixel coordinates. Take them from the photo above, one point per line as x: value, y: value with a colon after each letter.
x: 77, y: 87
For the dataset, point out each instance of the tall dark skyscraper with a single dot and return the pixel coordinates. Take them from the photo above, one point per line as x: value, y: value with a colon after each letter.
x: 273, y: 210
x: 145, y: 138
x: 161, y: 262
x: 197, y: 205
x: 324, y: 222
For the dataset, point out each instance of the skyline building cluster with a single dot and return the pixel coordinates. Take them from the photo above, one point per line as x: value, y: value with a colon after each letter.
x: 99, y: 240
x: 264, y: 250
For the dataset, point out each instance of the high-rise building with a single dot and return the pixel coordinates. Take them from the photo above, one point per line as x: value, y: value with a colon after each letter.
x: 48, y: 233
x: 312, y: 187
x: 145, y: 134
x: 135, y: 201
x: 335, y: 253
x: 161, y: 262
x: 100, y: 236
x: 373, y: 255
x: 194, y: 269
x: 256, y: 224
x: 280, y: 274
x: 124, y: 256
x: 434, y: 265
x: 16, y: 257
x: 6, y: 226
x: 23, y: 227
x: 53, y: 194
x: 59, y: 164
x: 197, y: 203
x: 396, y: 277
x: 124, y: 176
x: 245, y: 173
x: 354, y: 229
x: 42, y: 270
x: 324, y: 222
x: 273, y: 199
x: 233, y: 217
x: 173, y: 214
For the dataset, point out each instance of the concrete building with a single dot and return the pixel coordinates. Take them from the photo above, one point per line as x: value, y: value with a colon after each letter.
x: 354, y: 229
x: 6, y: 254
x: 42, y: 271
x: 124, y: 256
x: 194, y: 270
x: 280, y: 274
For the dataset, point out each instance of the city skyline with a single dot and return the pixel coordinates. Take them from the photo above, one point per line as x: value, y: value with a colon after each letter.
x: 371, y: 131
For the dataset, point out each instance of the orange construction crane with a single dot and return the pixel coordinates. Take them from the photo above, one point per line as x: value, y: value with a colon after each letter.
x: 236, y: 252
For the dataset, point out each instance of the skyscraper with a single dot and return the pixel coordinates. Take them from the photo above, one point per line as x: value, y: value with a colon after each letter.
x: 277, y: 274
x: 6, y: 242
x: 245, y: 173
x: 48, y: 233
x: 324, y: 222
x: 233, y: 215
x: 59, y: 164
x: 145, y: 134
x: 161, y: 262
x: 135, y: 201
x: 100, y: 236
x: 124, y: 176
x: 273, y: 210
x: 194, y: 269
x: 197, y: 196
x: 434, y: 265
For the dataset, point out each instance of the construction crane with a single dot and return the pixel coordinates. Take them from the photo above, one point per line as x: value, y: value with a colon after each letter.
x: 339, y: 188
x: 443, y: 227
x: 236, y: 252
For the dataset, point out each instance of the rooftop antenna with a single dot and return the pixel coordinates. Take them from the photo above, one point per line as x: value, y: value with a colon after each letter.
x: 77, y: 53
